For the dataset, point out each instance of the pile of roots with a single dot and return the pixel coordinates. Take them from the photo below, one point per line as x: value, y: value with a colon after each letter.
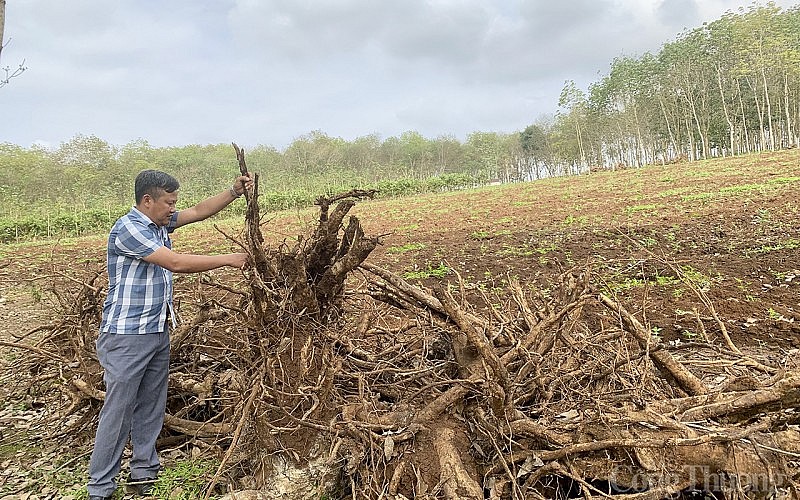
x: 321, y: 373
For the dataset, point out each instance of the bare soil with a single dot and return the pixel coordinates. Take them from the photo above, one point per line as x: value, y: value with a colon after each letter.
x: 728, y: 225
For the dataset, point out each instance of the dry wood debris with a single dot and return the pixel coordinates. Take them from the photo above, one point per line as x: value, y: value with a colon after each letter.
x: 345, y: 378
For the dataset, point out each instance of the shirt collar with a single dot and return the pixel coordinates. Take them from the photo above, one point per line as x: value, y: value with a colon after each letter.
x: 136, y: 213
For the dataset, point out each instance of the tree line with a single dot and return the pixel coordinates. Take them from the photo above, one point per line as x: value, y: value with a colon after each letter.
x: 86, y: 171
x: 728, y: 87
x: 86, y: 183
x: 731, y: 86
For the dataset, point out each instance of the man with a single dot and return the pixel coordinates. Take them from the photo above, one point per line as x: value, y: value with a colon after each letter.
x: 133, y: 345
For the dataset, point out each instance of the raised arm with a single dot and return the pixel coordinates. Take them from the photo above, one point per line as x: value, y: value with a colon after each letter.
x: 214, y: 204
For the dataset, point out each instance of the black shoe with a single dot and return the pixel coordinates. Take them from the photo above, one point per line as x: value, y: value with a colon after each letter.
x: 98, y: 497
x: 142, y: 487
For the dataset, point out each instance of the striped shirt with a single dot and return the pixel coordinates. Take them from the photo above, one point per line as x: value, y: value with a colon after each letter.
x: 139, y: 293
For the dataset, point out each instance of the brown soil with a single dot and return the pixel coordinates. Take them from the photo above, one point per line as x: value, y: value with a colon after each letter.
x: 632, y: 226
x: 728, y: 228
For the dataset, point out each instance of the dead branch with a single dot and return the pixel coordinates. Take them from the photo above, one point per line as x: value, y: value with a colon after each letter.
x: 687, y: 380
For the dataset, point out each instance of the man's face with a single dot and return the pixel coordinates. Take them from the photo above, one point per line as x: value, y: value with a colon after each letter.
x: 160, y: 209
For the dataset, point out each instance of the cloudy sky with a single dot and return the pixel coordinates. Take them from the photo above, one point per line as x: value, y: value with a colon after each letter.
x: 177, y: 72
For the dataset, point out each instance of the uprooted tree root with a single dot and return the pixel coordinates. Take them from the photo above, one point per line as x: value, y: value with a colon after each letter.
x: 322, y: 373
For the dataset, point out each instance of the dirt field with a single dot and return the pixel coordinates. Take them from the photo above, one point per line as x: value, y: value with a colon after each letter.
x: 655, y: 238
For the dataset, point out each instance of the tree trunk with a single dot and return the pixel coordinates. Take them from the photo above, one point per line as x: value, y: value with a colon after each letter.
x: 728, y: 119
x: 768, y: 104
x: 747, y: 147
x: 2, y: 24
x: 786, y: 103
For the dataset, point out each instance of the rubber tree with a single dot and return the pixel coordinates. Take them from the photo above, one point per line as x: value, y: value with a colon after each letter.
x: 534, y: 145
x: 572, y: 109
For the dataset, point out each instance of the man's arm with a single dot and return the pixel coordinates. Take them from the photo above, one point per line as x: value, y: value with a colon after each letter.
x: 213, y: 205
x: 191, y: 263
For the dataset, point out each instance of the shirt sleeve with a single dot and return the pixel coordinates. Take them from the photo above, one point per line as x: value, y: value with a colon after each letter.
x: 136, y: 240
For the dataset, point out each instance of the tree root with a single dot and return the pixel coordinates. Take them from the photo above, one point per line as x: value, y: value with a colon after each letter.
x: 451, y: 393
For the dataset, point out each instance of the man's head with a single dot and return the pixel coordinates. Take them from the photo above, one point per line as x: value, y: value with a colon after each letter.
x: 154, y: 183
x: 156, y: 195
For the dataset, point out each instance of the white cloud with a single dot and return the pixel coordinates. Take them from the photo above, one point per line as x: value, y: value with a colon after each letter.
x: 268, y: 71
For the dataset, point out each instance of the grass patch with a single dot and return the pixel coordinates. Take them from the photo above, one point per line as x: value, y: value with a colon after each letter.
x: 408, y: 247
x: 675, y: 191
x: 698, y: 196
x: 570, y: 220
x: 439, y: 271
x: 186, y: 480
x: 623, y: 284
x: 652, y: 207
x: 743, y: 188
x: 789, y: 244
x: 783, y: 180
x: 695, y: 277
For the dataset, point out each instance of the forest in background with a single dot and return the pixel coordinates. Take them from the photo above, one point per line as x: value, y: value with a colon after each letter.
x: 729, y: 87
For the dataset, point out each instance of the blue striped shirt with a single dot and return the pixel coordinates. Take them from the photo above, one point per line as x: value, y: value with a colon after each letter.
x: 139, y: 293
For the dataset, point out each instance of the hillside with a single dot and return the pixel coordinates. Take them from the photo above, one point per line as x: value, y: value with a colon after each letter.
x: 695, y: 251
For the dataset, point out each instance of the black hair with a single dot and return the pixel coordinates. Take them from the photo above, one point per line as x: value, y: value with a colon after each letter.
x: 151, y: 181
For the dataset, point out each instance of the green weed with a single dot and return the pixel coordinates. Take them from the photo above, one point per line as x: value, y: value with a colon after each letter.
x: 783, y: 180
x: 648, y: 242
x: 665, y: 280
x: 408, y: 247
x: 674, y: 191
x: 571, y: 219
x: 36, y: 293
x: 698, y: 196
x: 696, y: 277
x: 624, y: 284
x: 743, y: 188
x: 641, y: 208
x: 186, y: 480
x: 789, y: 244
x: 439, y: 271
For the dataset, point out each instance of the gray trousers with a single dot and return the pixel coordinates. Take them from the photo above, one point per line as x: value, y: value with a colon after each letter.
x: 136, y: 377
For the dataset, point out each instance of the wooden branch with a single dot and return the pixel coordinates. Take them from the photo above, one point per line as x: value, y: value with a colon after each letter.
x: 242, y: 167
x: 188, y: 427
x: 37, y: 350
x: 456, y: 482
x: 479, y: 342
x: 415, y: 294
x: 785, y: 393
x: 438, y: 406
x: 631, y: 443
x: 663, y: 359
x: 243, y: 418
x: 529, y: 427
x: 326, y: 240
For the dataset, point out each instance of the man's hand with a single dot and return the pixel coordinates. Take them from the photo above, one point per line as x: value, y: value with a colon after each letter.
x: 242, y: 183
x: 239, y: 260
x: 213, y: 205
